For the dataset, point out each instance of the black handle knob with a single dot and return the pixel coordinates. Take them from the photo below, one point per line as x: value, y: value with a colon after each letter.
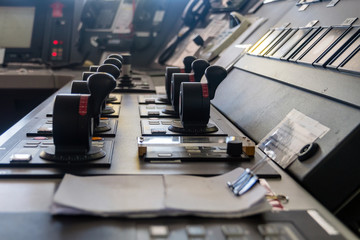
x: 214, y: 75
x: 188, y: 60
x: 199, y: 66
x: 234, y: 148
x: 71, y: 123
x: 100, y: 85
x: 126, y: 58
x: 168, y: 76
x: 111, y: 69
x: 80, y: 87
x: 93, y: 68
x: 85, y: 75
x: 117, y: 56
x: 126, y: 68
x: 194, y: 107
x: 198, y: 40
x: 308, y: 151
x: 113, y: 61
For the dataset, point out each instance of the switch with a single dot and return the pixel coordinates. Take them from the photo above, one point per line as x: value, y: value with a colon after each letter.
x: 234, y: 148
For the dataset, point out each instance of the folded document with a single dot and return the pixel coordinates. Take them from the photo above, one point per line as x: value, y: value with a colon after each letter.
x: 157, y: 195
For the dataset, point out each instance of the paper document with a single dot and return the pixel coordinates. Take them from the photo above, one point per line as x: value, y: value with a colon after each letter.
x: 111, y: 194
x: 285, y: 141
x: 156, y: 195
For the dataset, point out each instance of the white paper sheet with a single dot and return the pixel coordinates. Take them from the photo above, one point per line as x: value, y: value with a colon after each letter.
x: 109, y: 194
x: 149, y: 196
x: 199, y: 194
x: 284, y: 142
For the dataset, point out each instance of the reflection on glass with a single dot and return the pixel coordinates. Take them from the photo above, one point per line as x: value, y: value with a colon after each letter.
x: 353, y: 64
x: 270, y: 38
x: 345, y: 53
x: 330, y: 37
x: 282, y: 42
x: 260, y: 41
x: 16, y: 26
x: 275, y: 42
x: 304, y: 38
x: 306, y: 46
x: 337, y: 47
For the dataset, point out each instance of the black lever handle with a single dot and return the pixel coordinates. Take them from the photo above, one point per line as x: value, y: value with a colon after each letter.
x: 188, y: 60
x: 199, y: 66
x: 214, y: 75
x: 100, y: 85
x: 79, y: 86
x: 109, y: 68
x: 117, y: 56
x: 113, y: 61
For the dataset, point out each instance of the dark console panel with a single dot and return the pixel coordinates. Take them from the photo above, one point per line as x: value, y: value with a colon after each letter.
x: 296, y: 64
x: 283, y: 225
x: 37, y: 32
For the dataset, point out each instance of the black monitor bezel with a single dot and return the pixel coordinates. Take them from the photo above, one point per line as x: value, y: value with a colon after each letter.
x: 34, y: 52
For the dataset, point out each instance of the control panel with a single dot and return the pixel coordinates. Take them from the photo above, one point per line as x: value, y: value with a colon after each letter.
x: 285, y: 108
x: 284, y: 225
x: 78, y: 130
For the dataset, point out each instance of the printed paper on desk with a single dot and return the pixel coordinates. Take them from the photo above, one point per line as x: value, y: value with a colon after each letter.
x: 285, y: 141
x: 152, y: 195
x: 202, y: 196
x: 105, y: 195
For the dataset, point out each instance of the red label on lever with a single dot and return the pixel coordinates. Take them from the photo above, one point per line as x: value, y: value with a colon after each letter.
x: 182, y: 70
x: 83, y: 103
x: 191, y: 78
x: 57, y: 9
x: 205, y: 90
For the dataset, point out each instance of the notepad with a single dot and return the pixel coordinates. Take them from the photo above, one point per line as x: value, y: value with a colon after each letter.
x: 156, y: 195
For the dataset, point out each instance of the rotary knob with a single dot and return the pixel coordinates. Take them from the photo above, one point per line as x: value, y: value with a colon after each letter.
x: 234, y: 148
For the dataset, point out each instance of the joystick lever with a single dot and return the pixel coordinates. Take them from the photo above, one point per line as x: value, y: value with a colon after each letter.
x: 199, y: 66
x: 117, y: 56
x: 194, y: 104
x: 214, y: 75
x: 114, y: 61
x: 73, y: 117
x: 171, y: 70
x: 111, y: 69
x: 100, y: 85
x: 110, y: 65
x: 72, y: 122
x: 188, y: 60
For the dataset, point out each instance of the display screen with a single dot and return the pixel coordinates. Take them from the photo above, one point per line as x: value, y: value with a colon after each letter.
x: 308, y: 45
x: 353, y: 64
x: 270, y: 38
x: 347, y: 52
x: 252, y: 49
x: 281, y: 43
x: 336, y: 48
x: 305, y: 34
x: 274, y: 43
x: 325, y: 43
x: 16, y: 26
